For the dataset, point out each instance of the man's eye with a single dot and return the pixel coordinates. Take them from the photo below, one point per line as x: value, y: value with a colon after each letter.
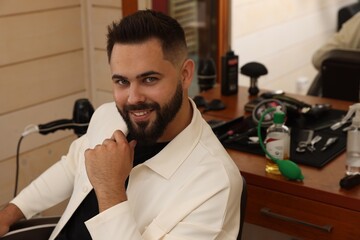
x: 150, y: 79
x: 122, y: 82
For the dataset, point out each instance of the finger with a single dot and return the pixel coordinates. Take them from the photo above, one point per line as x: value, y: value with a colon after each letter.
x: 88, y: 152
x: 119, y: 136
x: 109, y: 141
x: 132, y: 143
x: 132, y: 146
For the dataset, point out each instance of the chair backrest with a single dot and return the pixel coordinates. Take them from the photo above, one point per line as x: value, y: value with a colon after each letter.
x: 242, y: 208
x: 346, y: 12
x: 340, y: 73
x: 339, y: 76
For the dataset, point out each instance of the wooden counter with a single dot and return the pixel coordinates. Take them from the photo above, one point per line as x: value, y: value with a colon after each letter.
x: 316, y: 208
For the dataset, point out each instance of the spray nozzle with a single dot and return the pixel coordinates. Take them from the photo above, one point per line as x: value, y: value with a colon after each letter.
x: 356, y: 120
x: 279, y: 116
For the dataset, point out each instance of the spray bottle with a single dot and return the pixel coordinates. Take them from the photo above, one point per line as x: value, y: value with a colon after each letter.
x: 353, y: 140
x: 277, y: 141
x: 287, y: 168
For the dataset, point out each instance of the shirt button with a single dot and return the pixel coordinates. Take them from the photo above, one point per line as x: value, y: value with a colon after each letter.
x: 85, y: 188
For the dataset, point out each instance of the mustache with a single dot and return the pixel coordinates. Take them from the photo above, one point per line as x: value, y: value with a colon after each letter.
x: 141, y: 106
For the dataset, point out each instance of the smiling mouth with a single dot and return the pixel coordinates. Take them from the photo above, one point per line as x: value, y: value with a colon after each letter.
x: 141, y: 115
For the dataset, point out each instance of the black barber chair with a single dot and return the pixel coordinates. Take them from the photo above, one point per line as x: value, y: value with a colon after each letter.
x: 339, y: 76
x: 242, y: 208
x: 345, y: 13
x: 41, y: 228
x: 36, y: 228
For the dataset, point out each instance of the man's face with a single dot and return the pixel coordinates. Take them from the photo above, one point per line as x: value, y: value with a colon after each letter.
x: 147, y: 89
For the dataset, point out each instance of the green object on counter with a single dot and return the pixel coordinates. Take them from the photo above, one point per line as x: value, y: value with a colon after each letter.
x: 287, y: 168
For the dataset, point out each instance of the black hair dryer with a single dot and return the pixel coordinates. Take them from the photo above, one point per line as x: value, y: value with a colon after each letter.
x: 206, y: 74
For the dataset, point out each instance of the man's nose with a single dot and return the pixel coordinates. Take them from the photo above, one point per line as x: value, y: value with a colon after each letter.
x: 136, y: 94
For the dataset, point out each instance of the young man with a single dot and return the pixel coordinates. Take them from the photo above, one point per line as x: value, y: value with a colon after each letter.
x: 149, y: 166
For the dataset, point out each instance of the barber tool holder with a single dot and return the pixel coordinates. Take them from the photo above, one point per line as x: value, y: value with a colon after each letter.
x: 254, y: 70
x: 240, y: 134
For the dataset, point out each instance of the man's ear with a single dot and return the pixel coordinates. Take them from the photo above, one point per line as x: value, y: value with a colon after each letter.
x: 187, y: 72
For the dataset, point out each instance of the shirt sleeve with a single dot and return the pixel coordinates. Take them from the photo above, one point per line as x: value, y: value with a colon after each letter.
x: 114, y: 223
x: 52, y: 186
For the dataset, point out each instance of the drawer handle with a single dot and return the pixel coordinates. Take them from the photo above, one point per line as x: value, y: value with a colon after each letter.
x: 268, y: 212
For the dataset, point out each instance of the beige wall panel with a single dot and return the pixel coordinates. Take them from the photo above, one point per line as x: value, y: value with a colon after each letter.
x: 108, y: 3
x: 32, y: 164
x: 102, y: 72
x: 13, y: 124
x: 40, y: 81
x: 7, y: 180
x: 103, y: 97
x: 101, y: 19
x: 8, y: 7
x: 39, y: 34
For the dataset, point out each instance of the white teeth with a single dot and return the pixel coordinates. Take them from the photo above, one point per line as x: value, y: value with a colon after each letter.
x: 140, y: 113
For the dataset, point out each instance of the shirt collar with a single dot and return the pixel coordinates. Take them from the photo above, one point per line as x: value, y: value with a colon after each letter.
x: 167, y: 161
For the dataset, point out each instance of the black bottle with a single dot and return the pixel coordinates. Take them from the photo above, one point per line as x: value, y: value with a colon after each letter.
x: 229, y: 73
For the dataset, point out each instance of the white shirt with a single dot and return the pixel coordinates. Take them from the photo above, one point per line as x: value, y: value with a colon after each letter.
x: 189, y: 190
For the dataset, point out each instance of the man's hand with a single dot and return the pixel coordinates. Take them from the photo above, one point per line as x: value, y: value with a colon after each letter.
x: 8, y: 216
x: 108, y: 166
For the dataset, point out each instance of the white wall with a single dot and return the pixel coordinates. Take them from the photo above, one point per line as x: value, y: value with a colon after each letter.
x: 282, y: 35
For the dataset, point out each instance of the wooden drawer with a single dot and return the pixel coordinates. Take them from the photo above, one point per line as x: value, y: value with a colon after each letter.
x: 300, y: 217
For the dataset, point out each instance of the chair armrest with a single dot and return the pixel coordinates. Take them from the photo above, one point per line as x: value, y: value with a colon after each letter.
x: 36, y: 228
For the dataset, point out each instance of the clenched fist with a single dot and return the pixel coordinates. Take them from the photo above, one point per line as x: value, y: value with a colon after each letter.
x: 108, y: 166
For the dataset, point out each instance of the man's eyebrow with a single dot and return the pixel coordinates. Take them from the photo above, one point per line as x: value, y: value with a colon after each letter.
x: 118, y: 76
x: 142, y: 75
x: 148, y: 73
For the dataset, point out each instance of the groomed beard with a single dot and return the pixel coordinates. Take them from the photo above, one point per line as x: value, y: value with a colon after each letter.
x: 147, y: 133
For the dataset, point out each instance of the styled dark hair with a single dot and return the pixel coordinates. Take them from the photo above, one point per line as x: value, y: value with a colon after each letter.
x: 144, y: 25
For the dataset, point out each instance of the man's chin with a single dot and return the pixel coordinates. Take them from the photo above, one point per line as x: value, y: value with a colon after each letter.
x: 139, y: 129
x: 142, y: 126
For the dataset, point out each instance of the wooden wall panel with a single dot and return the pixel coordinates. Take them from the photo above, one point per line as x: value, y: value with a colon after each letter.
x: 38, y: 35
x: 41, y: 80
x: 32, y: 164
x: 13, y: 124
x: 101, y: 19
x: 102, y: 73
x: 104, y: 96
x: 11, y: 7
x: 46, y: 63
x: 107, y: 3
x: 7, y: 180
